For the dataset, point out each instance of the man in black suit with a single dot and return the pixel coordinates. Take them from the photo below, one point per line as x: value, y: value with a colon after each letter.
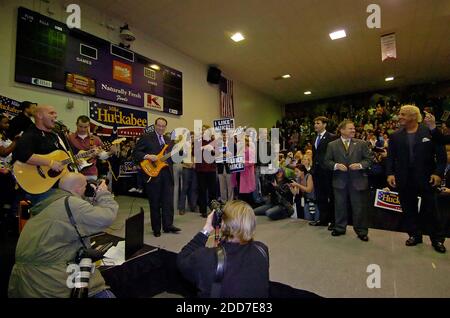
x: 437, y: 135
x: 415, y: 166
x: 321, y: 175
x: 159, y: 189
x: 22, y: 122
x: 349, y: 158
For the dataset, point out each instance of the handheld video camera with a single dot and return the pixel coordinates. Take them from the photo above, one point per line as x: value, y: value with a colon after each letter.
x: 217, y: 207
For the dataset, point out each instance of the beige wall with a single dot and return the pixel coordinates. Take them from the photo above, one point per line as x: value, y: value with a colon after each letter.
x: 200, y: 99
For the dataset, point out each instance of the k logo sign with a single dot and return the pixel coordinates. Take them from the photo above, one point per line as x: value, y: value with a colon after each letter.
x: 74, y: 19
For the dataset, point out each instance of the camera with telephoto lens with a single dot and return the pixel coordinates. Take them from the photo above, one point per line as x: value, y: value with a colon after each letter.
x: 217, y: 207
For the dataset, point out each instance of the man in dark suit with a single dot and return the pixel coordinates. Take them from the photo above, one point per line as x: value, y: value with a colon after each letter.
x: 415, y: 166
x: 22, y: 122
x: 159, y: 189
x: 437, y: 135
x: 321, y: 175
x: 349, y: 158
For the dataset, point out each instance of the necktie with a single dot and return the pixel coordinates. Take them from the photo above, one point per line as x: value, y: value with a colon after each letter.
x: 346, y: 144
x: 318, y: 141
x: 161, y: 140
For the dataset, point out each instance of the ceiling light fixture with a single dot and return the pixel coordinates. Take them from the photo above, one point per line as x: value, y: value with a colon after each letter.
x: 307, y: 93
x: 237, y: 37
x: 286, y: 76
x: 338, y: 34
x: 155, y: 67
x: 390, y: 78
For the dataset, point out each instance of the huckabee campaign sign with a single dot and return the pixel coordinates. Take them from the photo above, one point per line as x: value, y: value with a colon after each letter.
x: 389, y: 200
x: 9, y: 107
x: 129, y: 122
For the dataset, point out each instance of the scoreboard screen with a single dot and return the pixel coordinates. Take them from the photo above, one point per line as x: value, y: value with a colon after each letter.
x: 49, y: 54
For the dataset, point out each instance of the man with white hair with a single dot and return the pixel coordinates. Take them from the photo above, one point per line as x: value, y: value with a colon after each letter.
x: 49, y: 242
x: 415, y: 166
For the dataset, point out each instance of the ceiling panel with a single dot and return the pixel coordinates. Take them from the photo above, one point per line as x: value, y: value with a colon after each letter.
x: 291, y: 36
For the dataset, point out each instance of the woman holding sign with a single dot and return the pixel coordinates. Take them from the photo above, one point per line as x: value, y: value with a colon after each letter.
x: 245, y: 180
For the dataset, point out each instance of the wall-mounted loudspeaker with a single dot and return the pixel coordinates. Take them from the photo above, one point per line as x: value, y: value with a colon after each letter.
x: 213, y: 75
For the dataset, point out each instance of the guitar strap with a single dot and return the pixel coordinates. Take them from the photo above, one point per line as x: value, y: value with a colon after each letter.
x: 68, y: 151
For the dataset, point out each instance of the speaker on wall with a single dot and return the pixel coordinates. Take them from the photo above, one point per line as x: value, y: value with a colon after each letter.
x: 213, y: 75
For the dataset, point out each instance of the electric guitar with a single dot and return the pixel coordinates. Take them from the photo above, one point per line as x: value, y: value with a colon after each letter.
x: 83, y: 163
x: 153, y: 168
x: 39, y: 179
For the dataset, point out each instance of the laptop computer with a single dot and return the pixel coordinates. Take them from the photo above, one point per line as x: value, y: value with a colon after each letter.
x: 134, y: 236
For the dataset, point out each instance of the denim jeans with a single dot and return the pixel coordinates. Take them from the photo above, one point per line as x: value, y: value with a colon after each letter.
x: 311, y: 216
x: 273, y: 212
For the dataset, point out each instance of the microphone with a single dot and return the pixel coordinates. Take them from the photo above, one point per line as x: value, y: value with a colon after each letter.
x: 60, y: 123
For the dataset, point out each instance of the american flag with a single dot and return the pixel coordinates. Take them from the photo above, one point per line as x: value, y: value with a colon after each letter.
x: 226, y: 98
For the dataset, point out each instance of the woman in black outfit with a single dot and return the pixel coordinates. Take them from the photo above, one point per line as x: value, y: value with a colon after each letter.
x: 246, y: 273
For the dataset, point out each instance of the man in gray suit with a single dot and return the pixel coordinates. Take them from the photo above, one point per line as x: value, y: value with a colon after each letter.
x: 349, y: 158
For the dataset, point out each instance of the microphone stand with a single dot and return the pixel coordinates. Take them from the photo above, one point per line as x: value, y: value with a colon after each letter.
x: 62, y: 131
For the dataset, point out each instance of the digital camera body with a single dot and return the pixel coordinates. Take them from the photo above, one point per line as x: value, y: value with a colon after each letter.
x: 217, y: 207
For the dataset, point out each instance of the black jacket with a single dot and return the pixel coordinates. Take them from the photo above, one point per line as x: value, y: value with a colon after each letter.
x: 429, y: 158
x: 319, y: 153
x: 18, y: 124
x: 246, y: 273
x: 439, y: 137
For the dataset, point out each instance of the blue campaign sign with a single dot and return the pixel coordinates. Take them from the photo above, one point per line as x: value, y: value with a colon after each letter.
x: 223, y: 124
x: 236, y: 164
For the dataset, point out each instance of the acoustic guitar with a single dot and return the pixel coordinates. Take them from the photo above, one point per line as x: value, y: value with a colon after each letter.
x: 153, y: 168
x: 39, y: 179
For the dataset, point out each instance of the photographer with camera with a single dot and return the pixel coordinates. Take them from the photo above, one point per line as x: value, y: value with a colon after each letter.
x: 281, y: 197
x: 239, y: 267
x: 56, y: 236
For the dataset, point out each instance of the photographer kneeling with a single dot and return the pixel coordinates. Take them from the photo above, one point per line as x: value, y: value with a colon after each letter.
x: 50, y: 241
x: 238, y: 268
x: 280, y: 205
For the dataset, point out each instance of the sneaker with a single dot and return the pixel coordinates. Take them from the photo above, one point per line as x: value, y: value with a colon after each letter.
x: 139, y: 191
x: 133, y: 190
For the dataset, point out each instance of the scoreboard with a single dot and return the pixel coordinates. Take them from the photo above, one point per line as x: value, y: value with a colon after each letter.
x: 51, y: 55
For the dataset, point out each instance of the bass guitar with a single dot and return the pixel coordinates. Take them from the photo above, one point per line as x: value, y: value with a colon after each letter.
x: 39, y: 179
x: 153, y: 168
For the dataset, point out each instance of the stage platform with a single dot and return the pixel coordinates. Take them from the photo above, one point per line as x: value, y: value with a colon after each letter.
x: 309, y: 258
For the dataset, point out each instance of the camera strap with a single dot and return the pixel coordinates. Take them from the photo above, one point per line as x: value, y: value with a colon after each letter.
x: 221, y: 257
x: 72, y: 220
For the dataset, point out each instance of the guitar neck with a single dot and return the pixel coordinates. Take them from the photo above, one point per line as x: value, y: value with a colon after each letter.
x: 84, y: 154
x: 172, y: 152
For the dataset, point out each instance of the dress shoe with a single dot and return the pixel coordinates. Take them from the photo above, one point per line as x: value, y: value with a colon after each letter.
x: 331, y: 227
x: 412, y: 241
x: 172, y: 229
x: 364, y: 238
x: 156, y: 234
x: 316, y: 223
x: 439, y: 247
x: 337, y: 233
x: 181, y: 212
